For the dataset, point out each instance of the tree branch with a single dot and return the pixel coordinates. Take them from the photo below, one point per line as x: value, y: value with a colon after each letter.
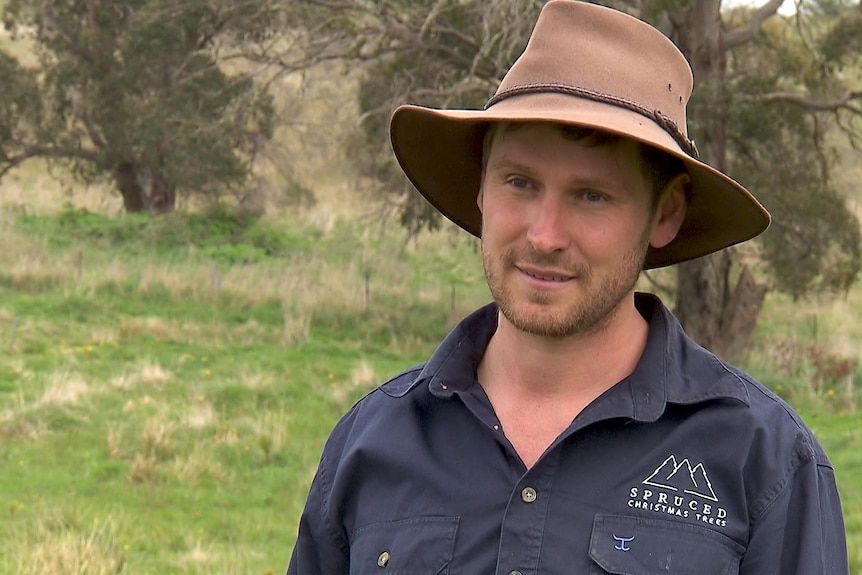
x: 8, y: 162
x: 845, y: 102
x: 747, y: 33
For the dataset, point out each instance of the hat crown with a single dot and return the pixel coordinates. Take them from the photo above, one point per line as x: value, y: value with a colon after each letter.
x: 603, y: 52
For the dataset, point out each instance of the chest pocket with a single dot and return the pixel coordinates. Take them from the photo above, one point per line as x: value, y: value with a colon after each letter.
x: 624, y: 545
x: 416, y: 546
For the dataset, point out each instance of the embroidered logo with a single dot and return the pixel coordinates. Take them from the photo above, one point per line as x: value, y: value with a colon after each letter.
x: 678, y: 488
x: 692, y: 480
x: 622, y: 543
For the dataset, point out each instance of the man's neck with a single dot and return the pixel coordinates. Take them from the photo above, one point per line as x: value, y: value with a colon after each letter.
x: 527, y: 363
x: 538, y: 385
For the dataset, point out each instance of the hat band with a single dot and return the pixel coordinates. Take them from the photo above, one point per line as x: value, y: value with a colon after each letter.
x: 666, y: 123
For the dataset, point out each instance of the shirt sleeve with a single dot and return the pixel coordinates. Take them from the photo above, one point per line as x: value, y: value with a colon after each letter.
x: 317, y: 551
x: 802, y: 531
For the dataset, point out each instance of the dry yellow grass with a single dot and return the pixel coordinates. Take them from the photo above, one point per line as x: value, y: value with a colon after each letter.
x: 363, y: 377
x: 297, y: 327
x: 832, y: 323
x: 271, y: 432
x: 203, y: 557
x: 257, y: 380
x: 64, y: 389
x: 199, y: 556
x: 145, y: 401
x: 157, y: 438
x: 58, y: 542
x: 147, y: 374
x: 115, y: 443
x: 197, y: 465
x: 200, y: 414
x: 210, y: 333
x: 35, y: 189
x: 143, y: 469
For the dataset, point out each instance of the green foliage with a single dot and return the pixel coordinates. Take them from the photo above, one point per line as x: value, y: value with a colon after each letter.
x: 779, y: 148
x: 139, y: 88
x: 654, y: 11
x: 222, y: 235
x: 18, y: 107
x: 843, y: 43
x: 810, y: 375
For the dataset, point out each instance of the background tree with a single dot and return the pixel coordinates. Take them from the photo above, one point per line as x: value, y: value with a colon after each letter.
x: 19, y: 110
x: 764, y: 108
x: 768, y: 99
x: 140, y: 93
x: 435, y: 52
x: 160, y: 98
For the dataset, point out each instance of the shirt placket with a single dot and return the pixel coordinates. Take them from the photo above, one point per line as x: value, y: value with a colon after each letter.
x: 524, y: 522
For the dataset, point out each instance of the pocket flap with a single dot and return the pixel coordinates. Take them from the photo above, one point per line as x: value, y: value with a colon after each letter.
x: 626, y: 545
x: 419, y: 545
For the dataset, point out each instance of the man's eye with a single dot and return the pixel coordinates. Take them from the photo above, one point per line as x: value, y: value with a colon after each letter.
x: 594, y: 197
x: 518, y: 182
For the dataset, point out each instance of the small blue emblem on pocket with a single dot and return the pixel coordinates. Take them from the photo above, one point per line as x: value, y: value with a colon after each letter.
x: 622, y: 543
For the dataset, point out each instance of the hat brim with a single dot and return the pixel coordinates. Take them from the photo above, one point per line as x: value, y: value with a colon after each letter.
x: 440, y: 152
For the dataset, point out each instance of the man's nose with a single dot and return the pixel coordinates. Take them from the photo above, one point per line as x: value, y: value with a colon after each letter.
x: 548, y: 230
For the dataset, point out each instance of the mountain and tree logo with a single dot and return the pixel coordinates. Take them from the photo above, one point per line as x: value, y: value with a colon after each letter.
x: 681, y: 476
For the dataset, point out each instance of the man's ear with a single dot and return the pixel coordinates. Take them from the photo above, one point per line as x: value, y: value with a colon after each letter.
x: 479, y: 195
x: 670, y: 212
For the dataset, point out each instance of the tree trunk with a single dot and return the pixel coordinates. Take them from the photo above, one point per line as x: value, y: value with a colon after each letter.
x: 701, y: 296
x: 718, y: 317
x: 144, y: 189
x: 740, y: 315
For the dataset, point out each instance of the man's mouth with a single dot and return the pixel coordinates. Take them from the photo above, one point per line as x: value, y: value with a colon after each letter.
x: 546, y: 276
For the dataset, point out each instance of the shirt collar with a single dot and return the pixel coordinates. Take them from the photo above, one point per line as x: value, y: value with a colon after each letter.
x: 672, y: 369
x: 453, y: 366
x: 675, y: 369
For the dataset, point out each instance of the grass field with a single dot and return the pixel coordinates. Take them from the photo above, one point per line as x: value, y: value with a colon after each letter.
x: 164, y: 392
x: 166, y: 385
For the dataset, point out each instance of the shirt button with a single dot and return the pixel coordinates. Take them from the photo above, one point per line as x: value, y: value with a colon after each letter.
x: 515, y: 573
x: 383, y: 559
x: 528, y: 495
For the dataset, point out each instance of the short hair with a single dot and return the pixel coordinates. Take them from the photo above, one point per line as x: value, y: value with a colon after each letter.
x: 658, y: 166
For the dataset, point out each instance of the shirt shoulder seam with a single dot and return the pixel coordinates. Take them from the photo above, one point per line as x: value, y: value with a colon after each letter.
x: 401, y: 384
x: 768, y: 502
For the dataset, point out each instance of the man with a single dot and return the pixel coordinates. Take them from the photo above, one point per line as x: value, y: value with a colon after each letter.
x: 572, y: 427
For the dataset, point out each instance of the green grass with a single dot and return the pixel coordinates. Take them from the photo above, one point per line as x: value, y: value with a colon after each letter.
x: 163, y: 407
x: 163, y: 402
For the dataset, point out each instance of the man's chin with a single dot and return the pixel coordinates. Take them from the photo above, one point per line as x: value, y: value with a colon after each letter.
x: 538, y: 319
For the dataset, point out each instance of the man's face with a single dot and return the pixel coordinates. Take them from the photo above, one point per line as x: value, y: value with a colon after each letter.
x: 565, y: 228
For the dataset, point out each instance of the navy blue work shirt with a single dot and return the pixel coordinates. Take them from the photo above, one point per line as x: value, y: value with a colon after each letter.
x: 687, y: 466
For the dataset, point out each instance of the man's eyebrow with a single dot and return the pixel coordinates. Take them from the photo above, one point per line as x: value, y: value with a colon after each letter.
x: 507, y: 163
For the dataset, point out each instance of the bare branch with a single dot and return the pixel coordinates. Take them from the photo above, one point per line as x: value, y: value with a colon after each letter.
x: 747, y: 33
x: 10, y: 162
x: 845, y: 102
x: 432, y: 14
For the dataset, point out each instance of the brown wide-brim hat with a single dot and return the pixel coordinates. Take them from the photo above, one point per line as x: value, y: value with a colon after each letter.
x: 590, y: 66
